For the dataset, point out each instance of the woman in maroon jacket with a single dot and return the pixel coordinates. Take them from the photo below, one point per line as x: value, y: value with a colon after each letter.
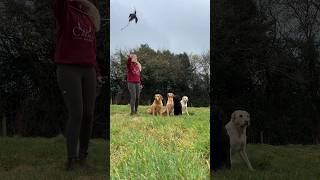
x: 77, y: 72
x: 134, y: 82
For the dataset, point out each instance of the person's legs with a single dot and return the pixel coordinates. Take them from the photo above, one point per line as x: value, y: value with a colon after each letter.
x: 132, y: 91
x: 138, y: 90
x: 89, y: 96
x: 69, y: 80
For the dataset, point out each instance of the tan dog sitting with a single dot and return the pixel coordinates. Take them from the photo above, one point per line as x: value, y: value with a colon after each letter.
x: 156, y: 106
x: 237, y: 129
x: 169, y: 107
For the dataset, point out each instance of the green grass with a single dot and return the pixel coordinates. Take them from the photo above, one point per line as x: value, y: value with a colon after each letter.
x: 43, y: 158
x: 291, y: 162
x: 147, y: 147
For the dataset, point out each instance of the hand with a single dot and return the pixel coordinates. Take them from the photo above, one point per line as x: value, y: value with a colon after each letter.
x: 100, y: 81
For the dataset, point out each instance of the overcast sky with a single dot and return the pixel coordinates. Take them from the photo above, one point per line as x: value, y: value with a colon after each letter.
x: 176, y: 25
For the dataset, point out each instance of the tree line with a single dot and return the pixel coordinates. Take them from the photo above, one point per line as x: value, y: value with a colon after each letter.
x: 266, y: 60
x: 30, y: 100
x: 162, y: 71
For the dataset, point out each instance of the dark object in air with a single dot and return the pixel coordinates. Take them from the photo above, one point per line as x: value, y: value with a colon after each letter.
x: 133, y: 16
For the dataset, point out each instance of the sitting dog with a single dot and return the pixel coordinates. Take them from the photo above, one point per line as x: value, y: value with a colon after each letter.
x: 177, y: 108
x: 184, y: 104
x: 169, y: 107
x: 156, y: 106
x: 221, y: 141
x: 237, y: 128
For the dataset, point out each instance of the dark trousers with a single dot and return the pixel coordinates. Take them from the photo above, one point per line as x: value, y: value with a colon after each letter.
x: 78, y: 86
x: 134, y: 90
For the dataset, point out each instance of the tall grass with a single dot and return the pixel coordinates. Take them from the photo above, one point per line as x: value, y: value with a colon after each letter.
x: 291, y: 162
x: 147, y: 147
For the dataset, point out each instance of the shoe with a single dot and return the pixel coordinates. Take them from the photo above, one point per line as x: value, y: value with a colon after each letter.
x: 71, y: 164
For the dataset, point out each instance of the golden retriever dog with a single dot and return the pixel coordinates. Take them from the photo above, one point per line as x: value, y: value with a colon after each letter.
x: 156, y: 106
x: 237, y: 128
x: 169, y: 107
x: 184, y: 104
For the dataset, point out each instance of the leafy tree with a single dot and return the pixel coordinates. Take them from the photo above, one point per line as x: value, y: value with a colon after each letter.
x: 29, y: 93
x: 266, y: 57
x: 162, y: 70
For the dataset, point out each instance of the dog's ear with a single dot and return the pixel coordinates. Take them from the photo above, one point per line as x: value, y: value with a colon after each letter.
x: 161, y: 97
x: 233, y: 116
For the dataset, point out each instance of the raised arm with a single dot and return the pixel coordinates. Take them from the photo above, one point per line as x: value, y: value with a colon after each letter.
x: 129, y: 62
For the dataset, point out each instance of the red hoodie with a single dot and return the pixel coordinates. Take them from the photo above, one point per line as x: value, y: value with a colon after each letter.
x: 75, y: 40
x: 133, y: 72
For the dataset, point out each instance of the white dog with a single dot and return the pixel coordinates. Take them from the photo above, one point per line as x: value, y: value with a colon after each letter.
x: 236, y: 129
x: 184, y: 104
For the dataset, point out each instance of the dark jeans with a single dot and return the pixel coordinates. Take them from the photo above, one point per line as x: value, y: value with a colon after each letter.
x: 134, y: 90
x: 78, y: 86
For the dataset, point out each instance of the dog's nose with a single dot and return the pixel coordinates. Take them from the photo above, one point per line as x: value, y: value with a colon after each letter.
x: 246, y: 122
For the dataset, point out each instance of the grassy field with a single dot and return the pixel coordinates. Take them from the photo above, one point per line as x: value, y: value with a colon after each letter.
x: 43, y: 158
x: 291, y: 162
x: 147, y: 147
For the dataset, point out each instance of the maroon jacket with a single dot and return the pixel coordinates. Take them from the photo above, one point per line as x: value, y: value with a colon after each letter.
x: 76, y: 38
x: 133, y: 72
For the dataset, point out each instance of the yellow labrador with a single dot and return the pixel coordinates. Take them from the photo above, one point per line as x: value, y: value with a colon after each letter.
x: 236, y: 129
x: 184, y: 104
x: 156, y: 106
